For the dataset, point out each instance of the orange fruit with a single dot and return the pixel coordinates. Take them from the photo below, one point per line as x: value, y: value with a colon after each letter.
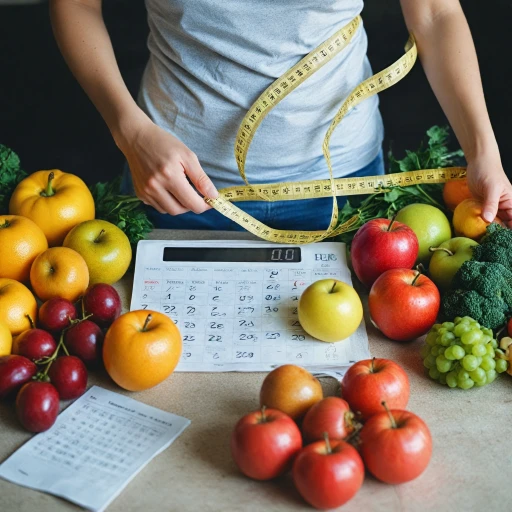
x: 456, y: 191
x: 290, y: 389
x: 141, y: 349
x: 5, y: 340
x: 467, y: 220
x: 21, y: 240
x: 59, y: 272
x: 16, y: 304
x: 56, y: 201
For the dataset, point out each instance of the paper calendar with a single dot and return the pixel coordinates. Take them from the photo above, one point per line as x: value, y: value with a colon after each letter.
x: 235, y: 302
x: 97, y: 445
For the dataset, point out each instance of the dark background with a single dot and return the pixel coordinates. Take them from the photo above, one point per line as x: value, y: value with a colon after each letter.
x: 47, y: 119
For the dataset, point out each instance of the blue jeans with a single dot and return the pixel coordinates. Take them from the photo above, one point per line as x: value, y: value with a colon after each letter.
x: 304, y: 214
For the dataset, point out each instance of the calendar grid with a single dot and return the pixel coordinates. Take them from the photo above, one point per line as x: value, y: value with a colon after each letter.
x: 239, y: 315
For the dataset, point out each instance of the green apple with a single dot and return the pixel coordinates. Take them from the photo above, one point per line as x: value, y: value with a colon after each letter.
x: 430, y: 225
x: 104, y: 247
x: 330, y: 310
x: 448, y: 258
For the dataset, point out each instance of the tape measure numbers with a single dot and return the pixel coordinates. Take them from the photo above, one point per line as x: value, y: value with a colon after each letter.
x: 331, y: 187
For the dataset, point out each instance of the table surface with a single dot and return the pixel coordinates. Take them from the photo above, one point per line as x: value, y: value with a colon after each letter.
x: 469, y: 469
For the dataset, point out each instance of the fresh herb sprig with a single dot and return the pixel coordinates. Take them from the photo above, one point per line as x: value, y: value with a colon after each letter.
x: 125, y: 211
x: 431, y: 154
x: 10, y: 175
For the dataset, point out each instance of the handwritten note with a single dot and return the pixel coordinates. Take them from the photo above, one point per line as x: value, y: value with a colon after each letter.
x: 97, y: 445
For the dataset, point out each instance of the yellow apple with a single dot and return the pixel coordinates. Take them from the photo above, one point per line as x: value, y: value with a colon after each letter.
x: 330, y: 310
x: 104, y: 247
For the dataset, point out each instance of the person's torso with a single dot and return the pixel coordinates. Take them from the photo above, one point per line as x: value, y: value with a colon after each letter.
x: 211, y: 59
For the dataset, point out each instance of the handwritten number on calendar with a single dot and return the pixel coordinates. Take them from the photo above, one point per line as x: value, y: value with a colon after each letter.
x: 190, y: 325
x: 144, y: 306
x: 245, y: 310
x: 168, y: 309
x: 215, y: 356
x: 275, y: 286
x: 298, y: 337
x: 188, y: 337
x: 246, y: 323
x: 244, y: 355
x: 215, y: 312
x: 186, y: 355
x: 215, y: 325
x: 270, y: 309
x: 273, y: 274
x: 272, y: 335
x: 191, y: 310
x: 273, y: 297
x: 247, y: 337
x: 212, y: 337
x: 295, y: 323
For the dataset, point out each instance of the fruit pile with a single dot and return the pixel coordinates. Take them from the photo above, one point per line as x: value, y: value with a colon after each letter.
x: 468, y: 284
x: 323, y: 441
x: 49, y: 363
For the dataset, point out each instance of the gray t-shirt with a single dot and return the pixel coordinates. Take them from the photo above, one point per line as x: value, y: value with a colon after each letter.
x: 211, y: 59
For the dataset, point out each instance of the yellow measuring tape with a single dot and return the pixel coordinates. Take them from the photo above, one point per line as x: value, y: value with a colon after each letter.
x: 331, y: 187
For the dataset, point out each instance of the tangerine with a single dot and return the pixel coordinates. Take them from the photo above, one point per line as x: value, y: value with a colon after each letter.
x: 141, y: 349
x: 456, y: 191
x: 290, y: 389
x: 467, y: 220
x: 17, y: 305
x: 59, y: 272
x: 21, y: 241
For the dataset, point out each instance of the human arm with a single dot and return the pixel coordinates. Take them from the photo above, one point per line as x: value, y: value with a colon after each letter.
x: 159, y: 162
x: 447, y: 53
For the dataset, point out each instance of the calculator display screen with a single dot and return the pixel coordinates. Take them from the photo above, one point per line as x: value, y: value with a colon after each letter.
x: 234, y: 254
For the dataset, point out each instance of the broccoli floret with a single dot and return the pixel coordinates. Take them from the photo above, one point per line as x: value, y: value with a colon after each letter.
x: 490, y: 312
x: 487, y: 279
x: 496, y: 246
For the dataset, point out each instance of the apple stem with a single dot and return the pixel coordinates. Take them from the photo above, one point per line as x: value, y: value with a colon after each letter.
x: 333, y: 286
x: 373, y: 365
x: 145, y: 326
x: 392, y: 222
x: 263, y: 417
x: 48, y: 192
x: 447, y: 251
x: 416, y: 278
x: 391, y: 418
x: 327, y: 443
x: 97, y: 239
x: 32, y: 324
x: 6, y: 224
x: 83, y: 306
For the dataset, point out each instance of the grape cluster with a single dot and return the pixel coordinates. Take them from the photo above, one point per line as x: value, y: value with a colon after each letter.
x: 462, y: 354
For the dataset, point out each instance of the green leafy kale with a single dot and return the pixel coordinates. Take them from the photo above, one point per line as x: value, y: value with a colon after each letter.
x: 126, y: 212
x: 431, y: 154
x: 10, y: 175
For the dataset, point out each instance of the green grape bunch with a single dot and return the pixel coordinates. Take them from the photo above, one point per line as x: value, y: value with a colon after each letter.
x: 462, y: 354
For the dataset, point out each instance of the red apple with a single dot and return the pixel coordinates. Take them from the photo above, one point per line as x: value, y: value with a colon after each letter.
x: 34, y: 344
x: 332, y: 416
x: 403, y: 304
x: 396, y: 446
x: 264, y: 443
x: 327, y: 474
x: 55, y: 314
x: 381, y: 245
x: 85, y: 340
x: 102, y: 302
x: 370, y: 382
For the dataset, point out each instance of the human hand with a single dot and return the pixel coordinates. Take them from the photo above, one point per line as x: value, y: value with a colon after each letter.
x: 160, y: 165
x: 489, y: 184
